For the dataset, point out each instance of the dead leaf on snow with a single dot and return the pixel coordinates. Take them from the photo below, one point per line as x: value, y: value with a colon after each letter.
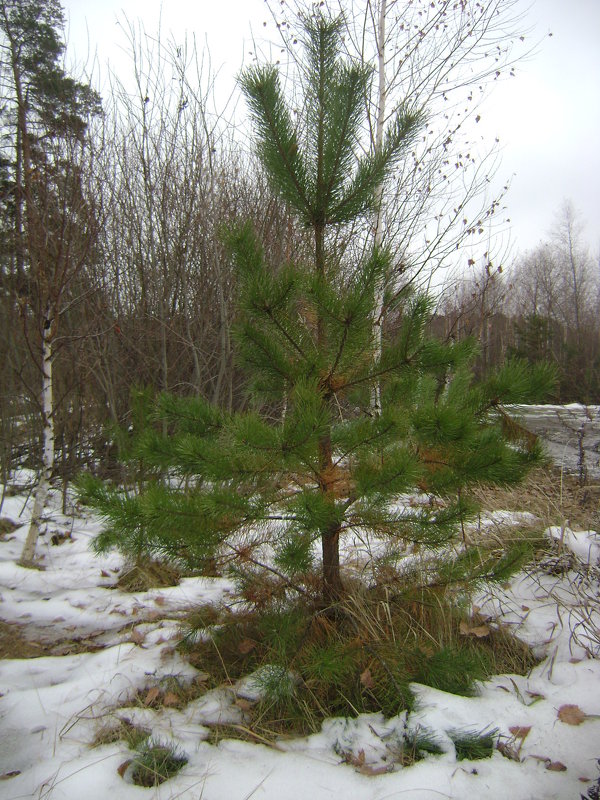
x: 473, y: 630
x: 508, y: 751
x: 556, y: 766
x: 160, y: 600
x: 137, y: 637
x: 535, y: 696
x: 170, y: 699
x: 151, y: 695
x: 520, y: 731
x: 12, y: 774
x: 571, y: 715
x: 367, y: 769
x: 122, y: 768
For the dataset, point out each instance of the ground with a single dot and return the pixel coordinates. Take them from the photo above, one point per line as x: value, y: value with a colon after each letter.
x: 86, y: 663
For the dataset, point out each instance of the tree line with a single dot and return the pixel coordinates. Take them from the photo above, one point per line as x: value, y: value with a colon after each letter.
x: 113, y: 272
x: 544, y: 307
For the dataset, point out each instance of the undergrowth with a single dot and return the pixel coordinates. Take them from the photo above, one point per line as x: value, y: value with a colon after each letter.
x: 474, y: 745
x: 361, y: 654
x: 155, y: 762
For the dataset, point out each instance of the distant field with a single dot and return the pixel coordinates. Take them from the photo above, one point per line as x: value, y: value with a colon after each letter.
x: 571, y: 433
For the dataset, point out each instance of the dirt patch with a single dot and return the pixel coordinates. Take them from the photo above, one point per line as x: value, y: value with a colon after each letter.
x: 148, y: 575
x: 13, y: 644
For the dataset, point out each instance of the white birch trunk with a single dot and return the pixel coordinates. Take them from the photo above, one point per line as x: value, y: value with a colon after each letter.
x: 378, y: 220
x: 41, y: 494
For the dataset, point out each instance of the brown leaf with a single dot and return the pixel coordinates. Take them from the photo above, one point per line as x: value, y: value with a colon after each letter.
x: 520, y: 732
x: 476, y: 630
x: 367, y: 769
x: 170, y: 699
x: 244, y: 704
x: 556, y: 766
x: 160, y: 600
x: 137, y: 636
x: 122, y: 768
x: 571, y: 715
x: 151, y: 695
x: 12, y: 774
x: 104, y: 573
x: 367, y: 679
x: 536, y: 696
x: 508, y: 751
x: 246, y: 646
x: 201, y: 678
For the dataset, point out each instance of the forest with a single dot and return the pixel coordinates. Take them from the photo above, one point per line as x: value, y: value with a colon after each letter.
x: 117, y: 264
x: 266, y: 494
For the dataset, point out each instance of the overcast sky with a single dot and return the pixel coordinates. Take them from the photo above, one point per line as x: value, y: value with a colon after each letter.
x: 547, y: 118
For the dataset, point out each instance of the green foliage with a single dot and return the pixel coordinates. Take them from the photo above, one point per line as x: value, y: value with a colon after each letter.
x: 155, y: 762
x: 213, y: 484
x: 474, y: 745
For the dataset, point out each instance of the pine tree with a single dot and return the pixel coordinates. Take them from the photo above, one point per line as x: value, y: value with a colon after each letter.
x: 326, y: 466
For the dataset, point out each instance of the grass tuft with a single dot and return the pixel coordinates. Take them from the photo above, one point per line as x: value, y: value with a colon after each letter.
x: 121, y: 729
x: 155, y: 762
x: 474, y: 745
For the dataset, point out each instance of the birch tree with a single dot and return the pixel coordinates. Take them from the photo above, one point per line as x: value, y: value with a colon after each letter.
x: 46, y: 122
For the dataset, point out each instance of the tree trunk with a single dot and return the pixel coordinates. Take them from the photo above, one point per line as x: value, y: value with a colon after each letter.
x: 332, y: 581
x: 378, y: 222
x: 41, y: 494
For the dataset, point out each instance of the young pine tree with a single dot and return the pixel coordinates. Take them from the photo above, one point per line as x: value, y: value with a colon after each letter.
x: 326, y: 467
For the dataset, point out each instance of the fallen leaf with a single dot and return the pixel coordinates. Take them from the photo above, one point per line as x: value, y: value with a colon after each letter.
x: 8, y: 775
x: 104, y: 573
x: 151, y: 695
x: 525, y: 608
x: 122, y: 768
x: 246, y: 646
x: 244, y: 704
x: 520, y: 732
x: 201, y: 677
x: 556, y: 766
x: 137, y: 637
x: 58, y: 619
x: 536, y: 696
x: 367, y: 679
x: 160, y: 600
x: 571, y: 715
x: 367, y: 769
x: 170, y: 699
x: 508, y: 751
x: 584, y: 780
x: 476, y: 630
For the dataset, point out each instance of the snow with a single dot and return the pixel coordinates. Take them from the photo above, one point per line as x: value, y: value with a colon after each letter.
x: 52, y: 707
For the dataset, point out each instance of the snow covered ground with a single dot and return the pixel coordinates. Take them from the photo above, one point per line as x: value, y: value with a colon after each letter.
x: 103, y: 646
x: 571, y: 434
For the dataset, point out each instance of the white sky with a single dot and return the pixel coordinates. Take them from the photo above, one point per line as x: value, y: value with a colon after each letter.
x: 547, y: 118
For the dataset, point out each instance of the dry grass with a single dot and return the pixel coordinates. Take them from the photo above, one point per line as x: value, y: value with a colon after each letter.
x: 147, y: 574
x: 555, y: 498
